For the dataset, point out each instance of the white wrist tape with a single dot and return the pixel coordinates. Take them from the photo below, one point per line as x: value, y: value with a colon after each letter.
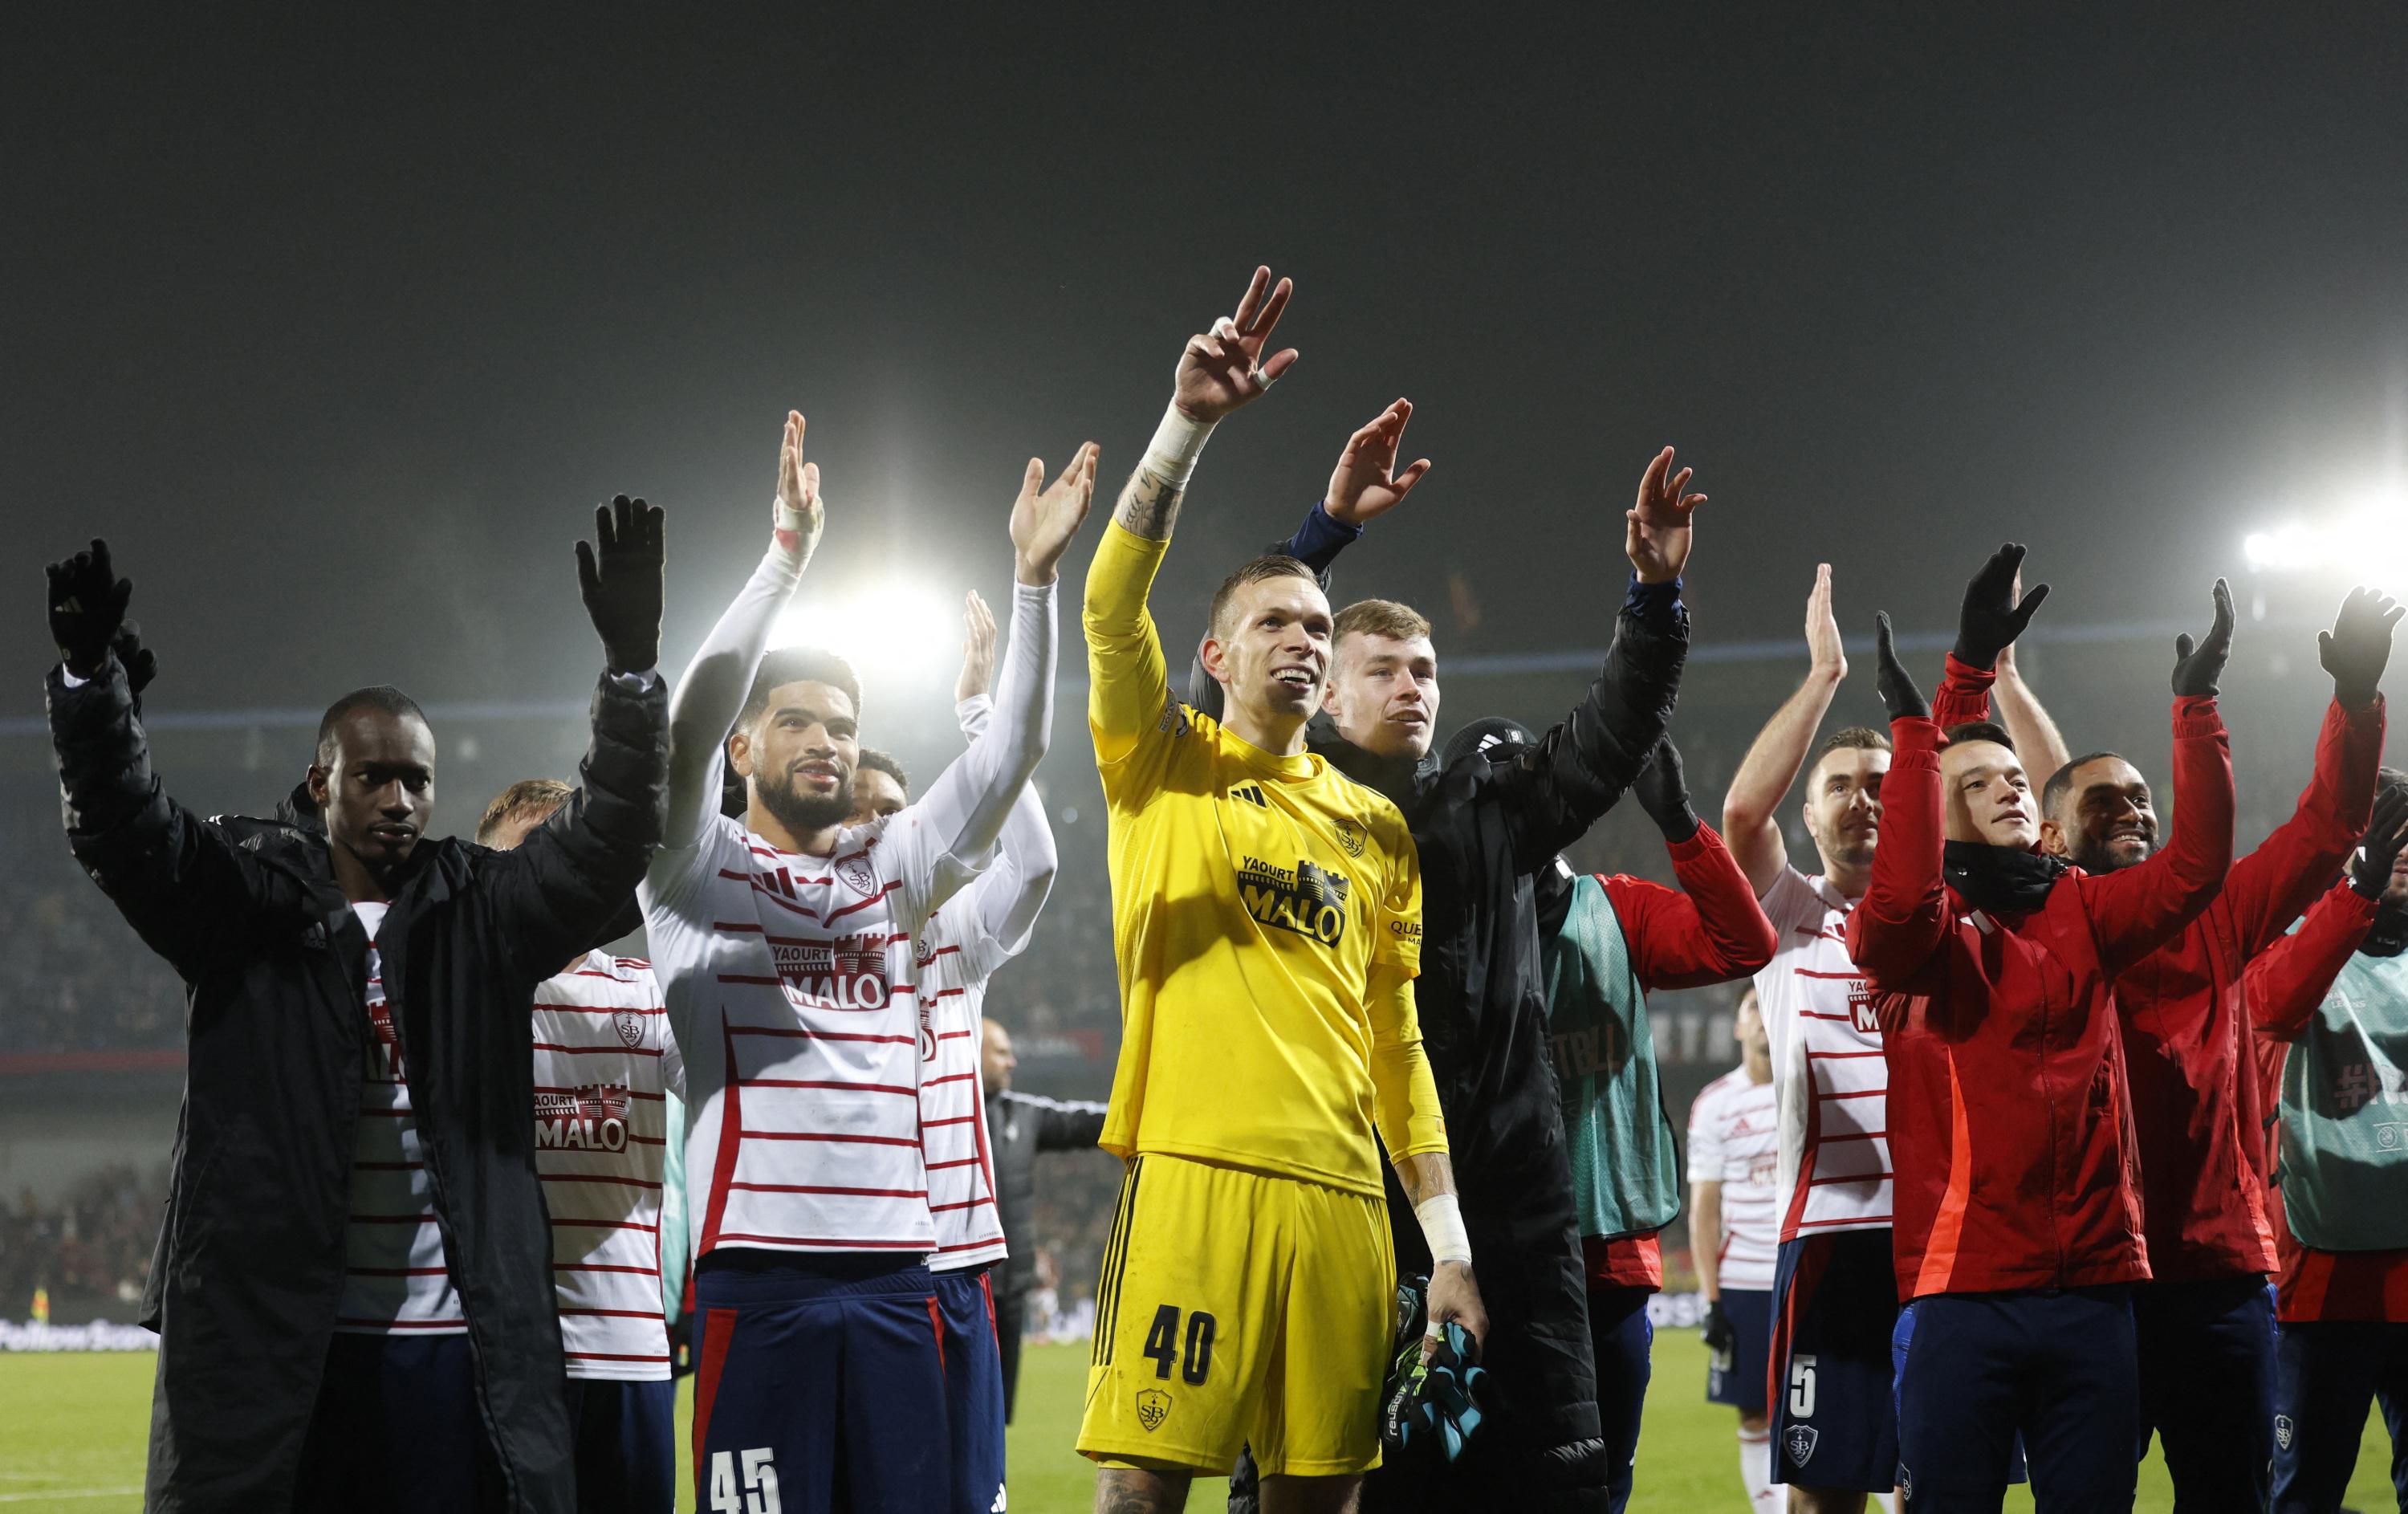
x: 1170, y: 456
x: 1442, y: 1222
x: 789, y: 518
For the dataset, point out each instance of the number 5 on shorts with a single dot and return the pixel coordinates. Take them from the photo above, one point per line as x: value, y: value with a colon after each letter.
x: 760, y: 1493
x: 1802, y: 1387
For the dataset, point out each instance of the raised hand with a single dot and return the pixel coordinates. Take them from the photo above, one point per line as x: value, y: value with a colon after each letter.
x: 1995, y: 610
x: 2360, y: 644
x: 1823, y: 627
x: 2378, y: 853
x: 87, y: 602
x: 1899, y: 695
x: 1655, y: 536
x: 978, y: 649
x: 620, y: 578
x: 1662, y: 789
x: 1044, y: 519
x: 2199, y: 665
x: 140, y: 663
x: 1366, y: 485
x: 800, y: 516
x: 1225, y: 368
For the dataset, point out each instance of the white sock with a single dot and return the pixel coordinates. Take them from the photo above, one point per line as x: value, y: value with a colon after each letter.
x: 1756, y: 1470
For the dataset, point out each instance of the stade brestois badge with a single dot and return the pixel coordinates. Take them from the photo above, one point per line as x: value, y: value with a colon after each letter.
x: 1350, y: 836
x: 2283, y: 1431
x: 858, y: 875
x: 1153, y: 1407
x: 1799, y: 1443
x: 630, y: 1026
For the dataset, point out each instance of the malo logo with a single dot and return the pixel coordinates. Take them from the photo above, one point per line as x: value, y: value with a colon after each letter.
x: 1153, y: 1407
x: 1860, y: 1008
x: 591, y: 1119
x: 844, y: 973
x: 629, y: 1023
x: 1307, y: 899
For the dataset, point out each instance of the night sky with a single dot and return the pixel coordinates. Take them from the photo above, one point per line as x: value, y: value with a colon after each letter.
x: 338, y: 329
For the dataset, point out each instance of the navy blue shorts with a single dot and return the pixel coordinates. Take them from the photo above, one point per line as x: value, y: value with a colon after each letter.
x: 2059, y: 1367
x: 973, y: 1389
x: 2207, y: 1386
x: 1622, y: 1339
x: 1741, y: 1381
x: 2326, y: 1374
x: 396, y: 1430
x: 823, y: 1377
x: 626, y: 1444
x: 1829, y: 1377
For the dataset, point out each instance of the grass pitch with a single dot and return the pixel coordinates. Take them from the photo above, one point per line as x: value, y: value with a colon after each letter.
x: 72, y: 1430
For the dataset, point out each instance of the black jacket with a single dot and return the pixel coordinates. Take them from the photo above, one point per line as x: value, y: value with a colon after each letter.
x: 1483, y: 829
x: 250, y: 1266
x: 1019, y: 1126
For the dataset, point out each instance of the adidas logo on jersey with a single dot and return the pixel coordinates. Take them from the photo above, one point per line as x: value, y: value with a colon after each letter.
x: 1252, y: 794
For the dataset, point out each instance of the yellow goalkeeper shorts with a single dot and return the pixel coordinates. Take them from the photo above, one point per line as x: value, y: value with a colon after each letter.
x: 1239, y: 1308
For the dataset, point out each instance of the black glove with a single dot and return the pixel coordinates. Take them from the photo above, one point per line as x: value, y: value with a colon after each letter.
x: 1991, y: 619
x: 1899, y: 695
x: 87, y: 605
x: 2358, y: 646
x: 622, y: 591
x: 1441, y: 1401
x: 140, y: 664
x: 1716, y: 1331
x: 1663, y: 792
x: 2197, y: 667
x: 2387, y: 834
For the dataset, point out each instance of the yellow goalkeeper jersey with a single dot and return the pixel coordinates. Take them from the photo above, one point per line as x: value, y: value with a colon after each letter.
x: 1266, y: 923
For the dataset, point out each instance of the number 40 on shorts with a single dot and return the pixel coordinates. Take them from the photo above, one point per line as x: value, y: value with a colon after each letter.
x: 758, y: 1494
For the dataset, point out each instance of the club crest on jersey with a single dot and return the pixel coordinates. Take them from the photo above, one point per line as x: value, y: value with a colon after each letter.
x: 590, y: 1119
x: 1307, y: 899
x: 1799, y: 1443
x: 629, y: 1023
x: 1351, y: 836
x: 1153, y: 1407
x: 858, y: 875
x: 844, y: 973
x: 2283, y: 1431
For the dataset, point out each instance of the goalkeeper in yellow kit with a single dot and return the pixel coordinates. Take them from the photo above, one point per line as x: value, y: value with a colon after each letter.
x: 1267, y: 920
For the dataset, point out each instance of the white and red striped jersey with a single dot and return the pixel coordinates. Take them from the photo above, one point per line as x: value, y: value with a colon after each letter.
x: 1827, y: 1072
x: 604, y: 1066
x: 791, y: 984
x: 970, y: 936
x: 395, y: 1278
x: 1735, y: 1140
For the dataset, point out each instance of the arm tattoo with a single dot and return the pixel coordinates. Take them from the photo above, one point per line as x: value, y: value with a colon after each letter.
x: 1148, y: 507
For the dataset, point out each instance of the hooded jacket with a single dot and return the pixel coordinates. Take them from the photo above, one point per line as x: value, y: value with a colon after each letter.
x: 2198, y: 1108
x: 2010, y: 1120
x: 249, y: 1264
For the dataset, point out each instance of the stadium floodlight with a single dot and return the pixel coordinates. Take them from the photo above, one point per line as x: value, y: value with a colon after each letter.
x: 901, y: 630
x: 2367, y: 540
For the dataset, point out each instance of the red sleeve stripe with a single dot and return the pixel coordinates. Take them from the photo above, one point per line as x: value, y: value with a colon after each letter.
x: 952, y: 1078
x: 954, y: 1036
x: 842, y: 1192
x: 826, y: 1243
x: 604, y: 1266
x: 826, y: 1135
x: 610, y: 1356
x: 940, y: 1166
x: 1811, y: 973
x: 738, y: 928
x: 962, y: 1119
x: 605, y: 1224
x: 940, y: 1208
x: 616, y: 1314
x: 833, y: 916
x: 603, y: 1009
x: 1838, y: 1056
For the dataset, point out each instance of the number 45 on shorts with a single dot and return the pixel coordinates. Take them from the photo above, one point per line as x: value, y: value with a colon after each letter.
x: 759, y: 1491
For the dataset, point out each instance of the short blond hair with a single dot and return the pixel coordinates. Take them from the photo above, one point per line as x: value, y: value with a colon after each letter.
x: 537, y: 797
x: 1379, y: 617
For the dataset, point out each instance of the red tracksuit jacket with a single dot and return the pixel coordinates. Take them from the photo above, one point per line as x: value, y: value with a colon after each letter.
x: 1709, y: 931
x: 2010, y: 1124
x: 2283, y: 987
x: 2199, y: 1112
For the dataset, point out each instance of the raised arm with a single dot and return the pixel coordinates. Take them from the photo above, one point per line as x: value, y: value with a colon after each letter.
x: 1709, y: 931
x: 1994, y: 612
x: 1581, y: 767
x: 945, y: 836
x: 2269, y: 887
x: 189, y: 891
x: 710, y: 695
x: 2137, y: 910
x: 557, y: 891
x: 1220, y: 371
x: 1007, y: 897
x: 1064, y: 1124
x: 1752, y: 808
x: 1904, y: 916
x: 2284, y: 984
